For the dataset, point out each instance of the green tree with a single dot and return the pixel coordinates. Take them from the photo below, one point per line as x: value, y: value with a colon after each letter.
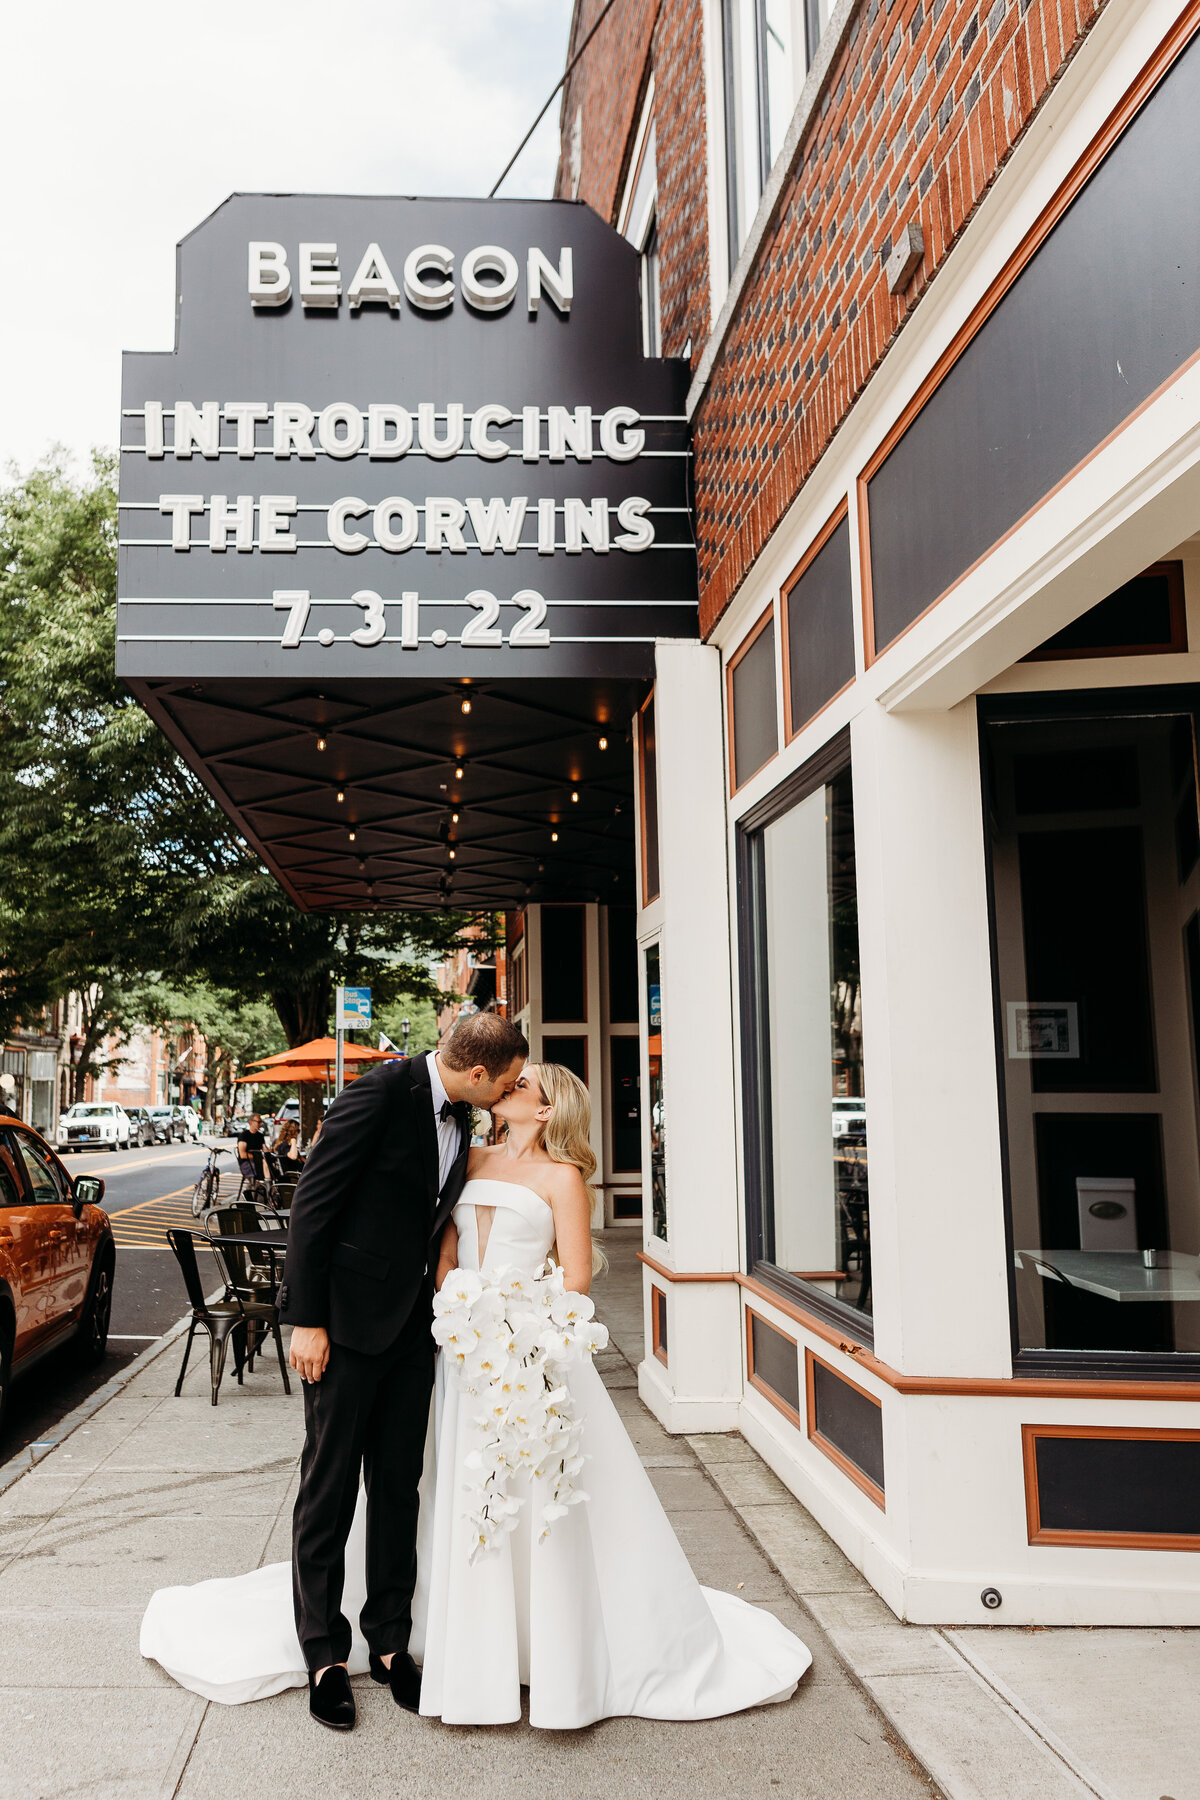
x: 235, y: 1033
x: 421, y: 1013
x: 115, y: 862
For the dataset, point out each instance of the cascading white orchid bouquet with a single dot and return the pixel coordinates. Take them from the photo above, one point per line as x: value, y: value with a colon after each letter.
x: 508, y: 1339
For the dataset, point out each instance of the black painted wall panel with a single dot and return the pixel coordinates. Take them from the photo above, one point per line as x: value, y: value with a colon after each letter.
x: 820, y: 620
x: 564, y: 976
x: 849, y: 1421
x: 1148, y: 1485
x: 755, y: 725
x: 571, y: 1052
x: 776, y: 1361
x: 1102, y: 315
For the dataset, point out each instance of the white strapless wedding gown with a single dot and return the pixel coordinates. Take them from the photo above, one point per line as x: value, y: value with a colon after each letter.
x: 602, y: 1619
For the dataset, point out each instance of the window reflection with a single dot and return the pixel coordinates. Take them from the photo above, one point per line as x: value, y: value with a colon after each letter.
x: 1096, y: 890
x: 658, y: 1140
x: 767, y: 47
x: 807, y: 1098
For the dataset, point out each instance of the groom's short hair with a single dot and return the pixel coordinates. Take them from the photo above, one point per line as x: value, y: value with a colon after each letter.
x: 484, y: 1039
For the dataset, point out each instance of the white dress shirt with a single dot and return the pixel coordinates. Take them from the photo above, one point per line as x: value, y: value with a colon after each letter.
x: 447, y: 1129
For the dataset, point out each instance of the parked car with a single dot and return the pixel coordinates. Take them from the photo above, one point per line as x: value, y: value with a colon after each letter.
x: 849, y: 1118
x: 141, y: 1126
x: 57, y: 1257
x: 94, y: 1125
x: 291, y: 1110
x: 192, y: 1122
x: 168, y: 1124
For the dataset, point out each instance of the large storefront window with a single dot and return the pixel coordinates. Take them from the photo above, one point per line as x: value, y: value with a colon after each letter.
x: 1095, y: 867
x: 654, y: 1096
x: 803, y: 1041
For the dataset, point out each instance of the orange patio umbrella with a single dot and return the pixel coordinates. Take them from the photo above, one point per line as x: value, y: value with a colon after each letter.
x: 316, y: 1061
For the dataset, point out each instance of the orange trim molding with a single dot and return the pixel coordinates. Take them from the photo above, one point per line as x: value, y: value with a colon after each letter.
x: 1122, y: 114
x: 968, y: 1386
x: 756, y: 1381
x: 849, y: 1469
x: 748, y: 642
x: 1115, y: 1540
x: 678, y: 1274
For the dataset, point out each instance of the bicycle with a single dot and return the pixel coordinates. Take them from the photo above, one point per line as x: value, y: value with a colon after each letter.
x: 208, y: 1186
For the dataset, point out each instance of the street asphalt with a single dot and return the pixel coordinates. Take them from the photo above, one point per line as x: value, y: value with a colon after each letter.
x: 145, y: 1190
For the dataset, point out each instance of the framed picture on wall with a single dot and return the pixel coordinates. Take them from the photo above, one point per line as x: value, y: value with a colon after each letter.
x: 1040, y: 1029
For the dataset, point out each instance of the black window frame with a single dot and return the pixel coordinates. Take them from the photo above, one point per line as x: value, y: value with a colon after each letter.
x: 755, y: 1016
x: 1068, y: 704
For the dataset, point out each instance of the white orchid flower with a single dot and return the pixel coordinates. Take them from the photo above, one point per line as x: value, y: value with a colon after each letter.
x: 461, y: 1288
x: 571, y: 1309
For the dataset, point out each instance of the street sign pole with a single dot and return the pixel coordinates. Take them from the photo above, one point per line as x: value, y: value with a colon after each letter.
x: 353, y: 1014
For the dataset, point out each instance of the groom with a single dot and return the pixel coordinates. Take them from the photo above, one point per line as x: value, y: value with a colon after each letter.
x: 357, y: 1289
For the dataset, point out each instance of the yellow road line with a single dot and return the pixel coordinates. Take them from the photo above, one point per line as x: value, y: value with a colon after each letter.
x: 145, y: 1225
x: 121, y: 1167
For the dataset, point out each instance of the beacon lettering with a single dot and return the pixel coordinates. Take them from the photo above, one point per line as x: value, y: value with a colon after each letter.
x: 446, y: 450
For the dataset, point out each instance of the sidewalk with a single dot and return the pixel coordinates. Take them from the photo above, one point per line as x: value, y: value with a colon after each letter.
x: 149, y: 1490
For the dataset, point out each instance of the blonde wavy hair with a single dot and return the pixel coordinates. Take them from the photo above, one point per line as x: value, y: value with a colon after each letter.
x: 565, y: 1136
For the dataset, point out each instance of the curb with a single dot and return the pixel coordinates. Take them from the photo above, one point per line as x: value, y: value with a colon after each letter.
x: 27, y: 1459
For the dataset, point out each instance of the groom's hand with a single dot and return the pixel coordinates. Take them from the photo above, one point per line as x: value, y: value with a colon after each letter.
x: 309, y: 1353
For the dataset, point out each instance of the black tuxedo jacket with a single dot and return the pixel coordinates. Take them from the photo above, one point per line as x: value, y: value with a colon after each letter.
x: 367, y: 1214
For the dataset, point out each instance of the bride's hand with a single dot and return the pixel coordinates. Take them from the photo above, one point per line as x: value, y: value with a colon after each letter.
x: 447, y: 1255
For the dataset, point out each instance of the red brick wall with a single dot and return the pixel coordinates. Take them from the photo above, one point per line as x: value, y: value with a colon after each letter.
x: 680, y: 131
x: 921, y: 109
x: 608, y: 84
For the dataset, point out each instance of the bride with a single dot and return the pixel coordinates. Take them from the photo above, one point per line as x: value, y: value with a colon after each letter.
x: 600, y: 1617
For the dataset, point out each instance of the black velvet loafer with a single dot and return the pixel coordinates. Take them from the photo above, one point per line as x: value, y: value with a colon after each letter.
x: 331, y: 1700
x: 404, y: 1679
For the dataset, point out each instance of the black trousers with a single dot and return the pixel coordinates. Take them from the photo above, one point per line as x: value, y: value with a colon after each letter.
x: 367, y: 1413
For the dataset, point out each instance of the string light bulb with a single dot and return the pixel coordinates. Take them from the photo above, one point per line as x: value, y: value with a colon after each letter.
x: 353, y: 836
x: 454, y: 818
x: 320, y: 743
x: 452, y: 856
x: 466, y: 706
x: 458, y: 773
x: 341, y: 795
x: 604, y: 743
x: 575, y: 794
x: 554, y: 837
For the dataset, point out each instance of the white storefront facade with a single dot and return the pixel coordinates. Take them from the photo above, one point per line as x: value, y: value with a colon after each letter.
x: 965, y: 883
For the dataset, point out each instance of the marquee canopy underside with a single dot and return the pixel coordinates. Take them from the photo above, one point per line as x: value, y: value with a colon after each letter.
x: 392, y: 750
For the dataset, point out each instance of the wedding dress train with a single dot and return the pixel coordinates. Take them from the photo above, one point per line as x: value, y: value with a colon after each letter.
x: 603, y: 1618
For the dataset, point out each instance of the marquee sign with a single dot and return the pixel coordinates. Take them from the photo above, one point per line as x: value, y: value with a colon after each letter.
x: 403, y: 437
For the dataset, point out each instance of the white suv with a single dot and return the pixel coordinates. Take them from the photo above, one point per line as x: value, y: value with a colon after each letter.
x: 849, y: 1118
x: 93, y: 1125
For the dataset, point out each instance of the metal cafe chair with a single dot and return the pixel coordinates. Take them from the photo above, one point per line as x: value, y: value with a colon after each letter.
x: 251, y: 1272
x: 254, y: 1271
x: 220, y: 1318
x: 281, y: 1179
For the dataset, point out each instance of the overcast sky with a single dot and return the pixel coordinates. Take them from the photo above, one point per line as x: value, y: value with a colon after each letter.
x: 125, y: 124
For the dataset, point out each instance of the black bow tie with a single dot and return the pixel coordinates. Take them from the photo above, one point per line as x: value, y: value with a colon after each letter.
x: 450, y: 1111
